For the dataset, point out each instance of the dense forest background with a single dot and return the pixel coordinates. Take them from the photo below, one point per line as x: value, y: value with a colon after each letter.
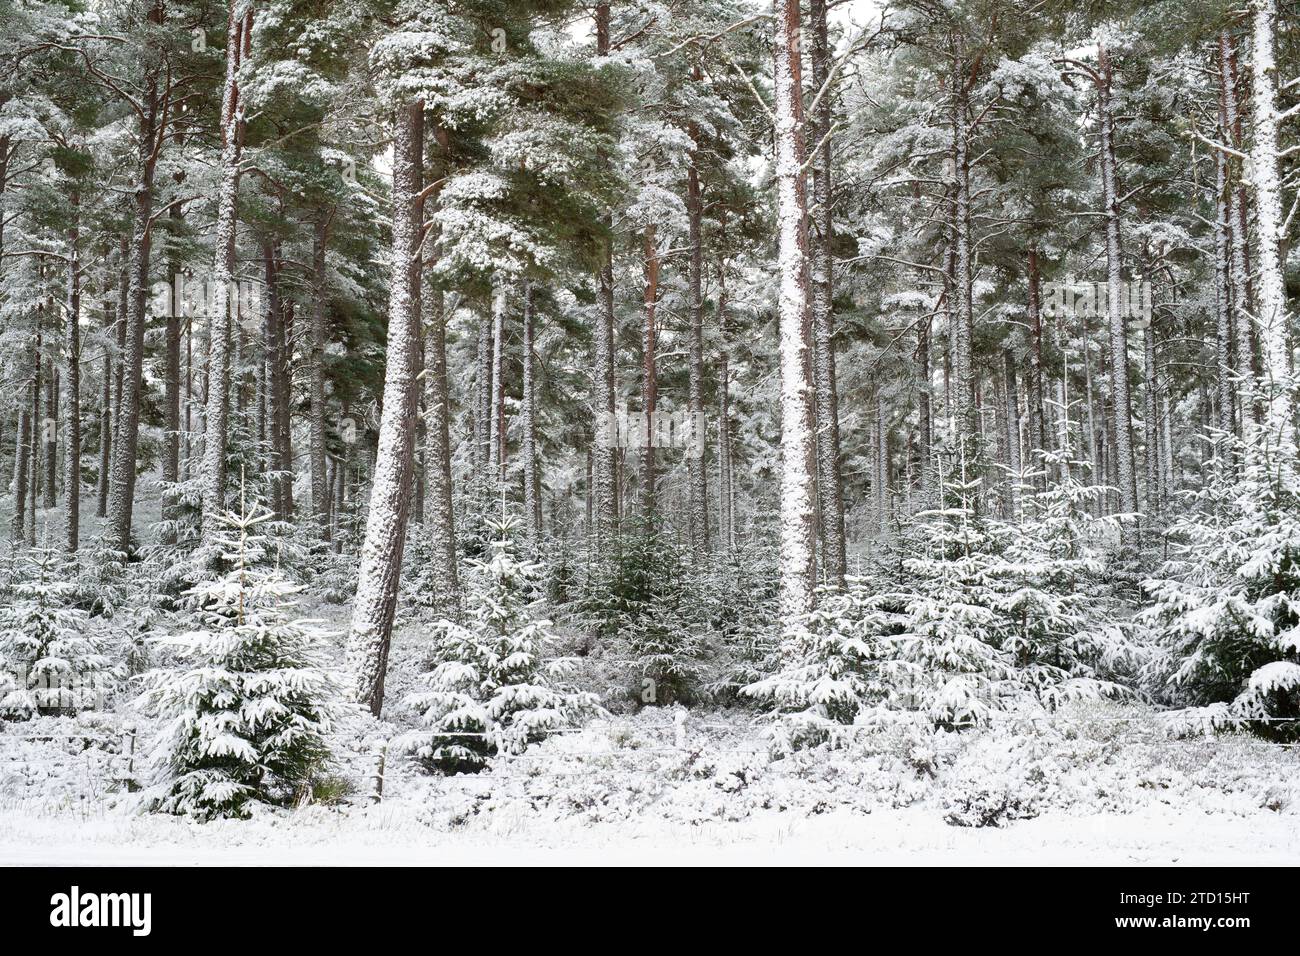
x: 836, y: 361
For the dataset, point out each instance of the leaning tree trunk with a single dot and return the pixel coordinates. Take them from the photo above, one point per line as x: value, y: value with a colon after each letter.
x: 390, y: 494
x: 215, y: 439
x: 1274, y: 321
x: 830, y: 494
x: 798, y: 564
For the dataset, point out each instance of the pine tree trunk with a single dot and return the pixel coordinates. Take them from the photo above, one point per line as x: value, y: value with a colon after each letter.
x: 1037, y: 393
x: 316, y: 373
x: 22, y: 449
x: 699, y: 494
x: 1014, y: 460
x: 497, y: 432
x: 605, y: 492
x: 122, y: 479
x: 274, y: 372
x: 216, y: 436
x: 390, y: 495
x: 798, y: 569
x: 532, y: 473
x: 72, y: 390
x: 171, y: 457
x: 830, y: 493
x: 1242, y: 294
x: 1116, y: 324
x: 726, y: 511
x: 1274, y: 320
x: 483, y: 416
x: 964, y: 417
x: 1222, y: 295
x: 444, y: 576
x: 649, y: 371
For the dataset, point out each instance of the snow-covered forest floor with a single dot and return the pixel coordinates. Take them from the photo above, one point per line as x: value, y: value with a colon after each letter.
x: 1096, y: 784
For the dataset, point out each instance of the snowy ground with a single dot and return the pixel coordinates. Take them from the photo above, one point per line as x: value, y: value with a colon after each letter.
x: 1095, y: 789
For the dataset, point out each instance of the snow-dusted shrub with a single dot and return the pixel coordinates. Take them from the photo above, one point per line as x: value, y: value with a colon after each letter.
x: 490, y: 689
x: 1226, y: 606
x: 246, y: 716
x: 49, y: 651
x: 994, y: 781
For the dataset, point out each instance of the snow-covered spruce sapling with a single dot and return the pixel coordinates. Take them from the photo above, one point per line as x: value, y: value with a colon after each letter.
x: 1226, y: 606
x: 53, y: 661
x: 489, y: 689
x: 246, y: 721
x: 985, y: 618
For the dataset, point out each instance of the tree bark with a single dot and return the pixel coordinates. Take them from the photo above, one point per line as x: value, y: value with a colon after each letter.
x: 830, y: 494
x: 390, y: 495
x: 1117, y: 326
x: 1272, y: 313
x: 72, y: 390
x: 216, y: 437
x: 798, y: 565
x: 316, y: 372
x: 699, y: 495
x: 532, y: 471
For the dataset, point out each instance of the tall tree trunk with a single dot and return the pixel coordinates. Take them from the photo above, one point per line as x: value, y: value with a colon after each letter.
x: 726, y: 511
x: 497, y: 412
x: 699, y: 494
x: 1014, y: 460
x: 532, y: 472
x: 798, y: 565
x: 171, y: 457
x: 216, y: 437
x: 444, y: 576
x: 22, y: 449
x: 483, y: 414
x: 1037, y: 394
x: 1222, y: 294
x: 1274, y: 320
x: 605, y: 493
x: 390, y: 494
x: 316, y: 372
x: 830, y: 494
x: 72, y: 389
x: 1241, y: 290
x: 1116, y: 324
x: 964, y: 416
x: 121, y: 495
x: 649, y: 371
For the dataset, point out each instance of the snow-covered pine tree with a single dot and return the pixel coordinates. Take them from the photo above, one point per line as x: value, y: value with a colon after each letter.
x: 48, y: 649
x: 490, y: 689
x: 246, y: 721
